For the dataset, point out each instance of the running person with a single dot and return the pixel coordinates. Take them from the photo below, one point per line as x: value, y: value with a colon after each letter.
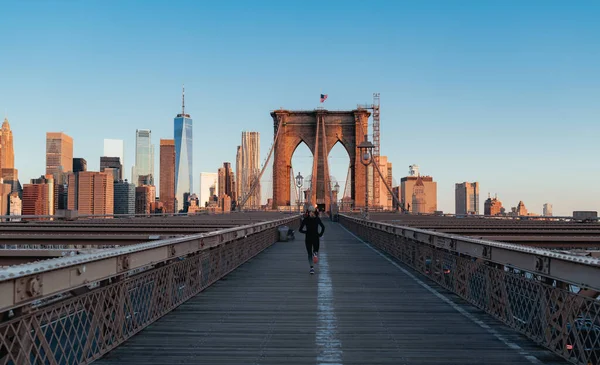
x: 310, y: 227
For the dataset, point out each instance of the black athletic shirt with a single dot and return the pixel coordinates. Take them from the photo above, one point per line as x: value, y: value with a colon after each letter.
x: 310, y: 226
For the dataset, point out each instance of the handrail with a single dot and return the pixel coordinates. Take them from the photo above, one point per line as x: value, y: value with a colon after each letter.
x: 24, y: 283
x: 493, y: 217
x: 202, y: 212
x: 583, y: 272
x: 533, y: 291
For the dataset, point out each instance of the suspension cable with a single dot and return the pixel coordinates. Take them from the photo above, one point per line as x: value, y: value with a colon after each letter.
x: 256, y: 181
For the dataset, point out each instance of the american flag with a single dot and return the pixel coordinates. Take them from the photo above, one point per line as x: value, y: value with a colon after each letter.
x: 323, y: 97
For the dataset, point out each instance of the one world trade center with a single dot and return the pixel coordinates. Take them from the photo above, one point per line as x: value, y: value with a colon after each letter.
x: 183, y: 155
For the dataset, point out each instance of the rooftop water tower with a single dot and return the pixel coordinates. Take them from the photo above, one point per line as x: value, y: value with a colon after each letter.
x: 413, y: 170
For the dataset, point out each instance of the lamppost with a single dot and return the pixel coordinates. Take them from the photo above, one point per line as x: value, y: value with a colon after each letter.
x: 366, y: 157
x: 299, y: 182
x: 334, y: 205
x: 336, y: 190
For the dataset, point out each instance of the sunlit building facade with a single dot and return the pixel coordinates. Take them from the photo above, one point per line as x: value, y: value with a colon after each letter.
x: 250, y: 168
x: 167, y: 175
x: 466, y: 198
x: 59, y: 155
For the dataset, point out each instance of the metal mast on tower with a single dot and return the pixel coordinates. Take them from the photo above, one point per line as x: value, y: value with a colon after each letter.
x: 376, y: 151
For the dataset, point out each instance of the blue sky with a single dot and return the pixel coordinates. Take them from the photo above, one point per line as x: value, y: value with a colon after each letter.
x: 502, y: 92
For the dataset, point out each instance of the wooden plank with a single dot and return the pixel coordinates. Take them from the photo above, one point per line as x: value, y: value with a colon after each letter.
x: 357, y: 307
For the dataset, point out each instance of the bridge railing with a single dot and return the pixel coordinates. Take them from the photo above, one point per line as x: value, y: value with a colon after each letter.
x: 72, y: 310
x: 549, y: 297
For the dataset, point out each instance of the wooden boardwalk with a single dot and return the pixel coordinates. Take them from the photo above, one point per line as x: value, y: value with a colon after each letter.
x: 359, y: 308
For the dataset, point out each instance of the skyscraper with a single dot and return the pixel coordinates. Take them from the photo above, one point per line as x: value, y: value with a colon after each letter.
x: 38, y: 197
x: 145, y: 180
x: 226, y: 183
x: 419, y: 198
x: 5, y: 191
x: 61, y: 196
x: 466, y: 197
x: 238, y: 172
x: 521, y: 209
x: 183, y: 154
x: 385, y: 197
x: 48, y: 182
x: 406, y: 189
x: 79, y: 164
x: 16, y: 205
x: 167, y: 175
x: 11, y: 177
x: 91, y: 193
x: 7, y: 152
x: 124, y: 198
x: 114, y: 148
x: 35, y: 199
x: 493, y: 206
x: 250, y: 167
x: 547, y: 210
x: 8, y: 173
x: 59, y: 154
x: 390, y: 183
x: 221, y: 182
x: 112, y: 164
x: 144, y: 155
x: 144, y: 197
x: 208, y: 180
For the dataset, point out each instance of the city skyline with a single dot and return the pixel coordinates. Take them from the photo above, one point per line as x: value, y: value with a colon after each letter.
x: 535, y: 91
x: 147, y: 137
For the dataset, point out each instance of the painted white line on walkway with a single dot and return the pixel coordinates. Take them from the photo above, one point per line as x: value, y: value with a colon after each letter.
x: 460, y: 310
x: 328, y: 344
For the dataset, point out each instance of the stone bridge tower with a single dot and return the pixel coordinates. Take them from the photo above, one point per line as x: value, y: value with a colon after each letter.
x: 320, y: 130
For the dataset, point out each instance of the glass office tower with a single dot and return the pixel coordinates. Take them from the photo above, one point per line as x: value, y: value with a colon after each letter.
x: 183, y: 156
x: 144, y: 155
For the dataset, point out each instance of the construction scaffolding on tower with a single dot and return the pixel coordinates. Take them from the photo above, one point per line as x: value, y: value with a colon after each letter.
x: 376, y: 181
x: 376, y: 151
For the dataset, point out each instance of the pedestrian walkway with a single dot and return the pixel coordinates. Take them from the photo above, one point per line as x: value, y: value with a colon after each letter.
x: 358, y: 308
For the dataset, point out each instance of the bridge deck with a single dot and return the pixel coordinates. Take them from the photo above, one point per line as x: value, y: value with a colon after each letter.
x: 359, y: 308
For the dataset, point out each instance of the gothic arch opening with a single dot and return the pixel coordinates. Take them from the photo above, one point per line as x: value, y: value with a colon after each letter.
x: 301, y: 162
x: 339, y: 163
